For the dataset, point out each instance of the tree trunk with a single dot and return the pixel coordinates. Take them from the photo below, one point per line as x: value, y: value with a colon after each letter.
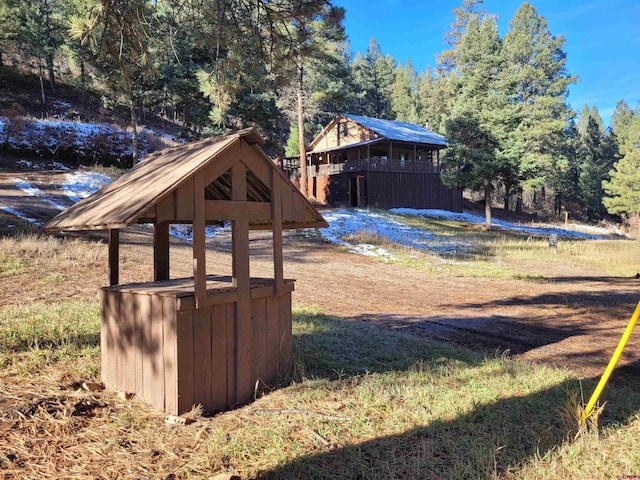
x: 134, y: 134
x: 487, y: 204
x: 280, y: 157
x: 303, y: 152
x: 506, y: 200
x: 83, y: 74
x: 44, y: 100
x: 52, y: 80
x: 519, y: 200
x: 557, y: 204
x: 1, y: 60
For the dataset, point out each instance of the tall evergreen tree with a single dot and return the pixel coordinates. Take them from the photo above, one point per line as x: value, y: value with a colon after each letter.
x: 473, y: 158
x: 9, y: 26
x: 41, y: 32
x: 467, y: 11
x: 433, y: 105
x: 403, y: 94
x: 596, y: 155
x: 623, y: 187
x: 583, y: 120
x: 536, y: 80
x: 621, y: 120
x: 374, y: 76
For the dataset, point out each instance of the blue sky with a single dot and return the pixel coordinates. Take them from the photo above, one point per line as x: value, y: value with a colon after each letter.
x: 602, y: 39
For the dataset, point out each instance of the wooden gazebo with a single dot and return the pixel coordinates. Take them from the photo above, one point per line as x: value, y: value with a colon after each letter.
x: 209, y: 339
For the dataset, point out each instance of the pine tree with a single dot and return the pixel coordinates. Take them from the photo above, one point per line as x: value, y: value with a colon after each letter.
x: 583, y: 120
x: 447, y: 59
x: 621, y: 121
x: 374, y: 76
x: 9, y: 26
x: 433, y: 105
x: 623, y: 187
x: 595, y: 115
x: 473, y: 158
x: 596, y: 155
x: 536, y: 80
x: 403, y: 94
x: 116, y: 35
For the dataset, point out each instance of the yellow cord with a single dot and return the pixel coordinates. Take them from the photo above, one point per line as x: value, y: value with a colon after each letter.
x: 611, y: 366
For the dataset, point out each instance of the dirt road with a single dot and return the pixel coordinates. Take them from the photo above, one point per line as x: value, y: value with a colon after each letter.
x: 573, y: 317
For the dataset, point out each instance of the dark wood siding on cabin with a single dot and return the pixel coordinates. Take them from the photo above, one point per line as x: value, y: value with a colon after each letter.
x: 396, y: 189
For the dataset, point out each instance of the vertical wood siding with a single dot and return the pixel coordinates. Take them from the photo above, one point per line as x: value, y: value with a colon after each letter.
x: 395, y: 189
x: 175, y: 359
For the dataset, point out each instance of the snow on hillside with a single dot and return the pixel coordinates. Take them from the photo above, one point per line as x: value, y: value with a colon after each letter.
x: 78, y: 141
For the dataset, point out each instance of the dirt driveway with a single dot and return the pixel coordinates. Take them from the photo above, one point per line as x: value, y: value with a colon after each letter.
x: 574, y: 318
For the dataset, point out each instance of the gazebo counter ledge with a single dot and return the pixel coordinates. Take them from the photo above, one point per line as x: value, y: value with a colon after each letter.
x: 220, y: 289
x: 157, y: 345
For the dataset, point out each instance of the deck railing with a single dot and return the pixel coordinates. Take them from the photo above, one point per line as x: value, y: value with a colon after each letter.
x: 365, y: 164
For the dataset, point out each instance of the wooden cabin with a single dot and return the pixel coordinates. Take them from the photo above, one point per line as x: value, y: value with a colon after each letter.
x: 208, y: 340
x: 359, y: 161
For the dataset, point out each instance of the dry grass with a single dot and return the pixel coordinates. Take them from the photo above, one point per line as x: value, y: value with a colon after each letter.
x: 367, y: 403
x: 364, y: 402
x: 501, y: 254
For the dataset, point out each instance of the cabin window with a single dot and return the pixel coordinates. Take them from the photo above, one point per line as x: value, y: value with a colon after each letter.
x: 342, y: 130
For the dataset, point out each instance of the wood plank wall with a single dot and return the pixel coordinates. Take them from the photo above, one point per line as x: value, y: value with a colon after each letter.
x: 396, y: 189
x: 175, y: 359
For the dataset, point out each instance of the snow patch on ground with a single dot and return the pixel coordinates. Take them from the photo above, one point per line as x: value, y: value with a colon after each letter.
x: 348, y: 222
x: 345, y: 223
x: 21, y: 215
x: 36, y: 192
x: 184, y: 232
x: 471, y: 218
x: 79, y: 185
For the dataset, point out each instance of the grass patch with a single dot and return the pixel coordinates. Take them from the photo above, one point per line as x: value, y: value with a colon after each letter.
x: 500, y: 254
x: 11, y: 267
x: 69, y: 328
x: 365, y: 403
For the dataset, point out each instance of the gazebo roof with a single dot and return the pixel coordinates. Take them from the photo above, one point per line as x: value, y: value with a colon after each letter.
x: 161, y: 189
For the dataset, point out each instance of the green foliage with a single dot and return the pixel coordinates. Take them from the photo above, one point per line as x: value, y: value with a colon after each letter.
x: 472, y: 156
x: 73, y: 326
x: 403, y: 94
x: 293, y: 145
x: 535, y: 79
x: 596, y: 156
x: 623, y: 187
x: 374, y: 78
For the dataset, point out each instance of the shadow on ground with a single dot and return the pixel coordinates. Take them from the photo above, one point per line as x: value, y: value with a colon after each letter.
x: 491, y: 440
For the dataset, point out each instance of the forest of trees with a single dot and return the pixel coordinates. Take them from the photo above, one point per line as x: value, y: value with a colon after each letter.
x: 285, y: 66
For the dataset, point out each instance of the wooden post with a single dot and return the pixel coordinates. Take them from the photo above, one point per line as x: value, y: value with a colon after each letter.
x: 114, y: 256
x: 241, y: 280
x: 199, y: 253
x: 276, y: 219
x: 161, y: 251
x: 390, y: 167
x: 415, y: 158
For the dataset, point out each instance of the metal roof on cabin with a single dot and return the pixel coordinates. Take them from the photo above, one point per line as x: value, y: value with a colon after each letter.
x: 126, y: 200
x: 400, y: 131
